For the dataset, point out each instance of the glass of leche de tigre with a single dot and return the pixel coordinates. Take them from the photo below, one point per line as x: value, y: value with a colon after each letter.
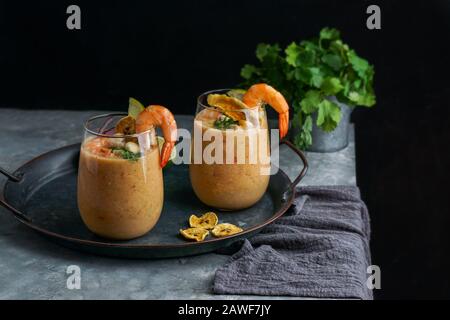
x: 230, y: 153
x: 120, y: 180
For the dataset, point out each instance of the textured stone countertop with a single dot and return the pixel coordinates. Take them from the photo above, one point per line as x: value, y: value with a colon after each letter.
x: 32, y: 267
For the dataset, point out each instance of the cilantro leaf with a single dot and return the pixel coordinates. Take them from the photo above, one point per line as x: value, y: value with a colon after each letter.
x: 292, y: 52
x: 224, y: 123
x: 267, y: 51
x: 125, y: 154
x: 261, y: 51
x: 248, y: 71
x: 360, y: 65
x: 329, y: 34
x: 332, y: 60
x: 304, y: 138
x: 303, y: 75
x: 308, y: 123
x: 311, y: 101
x: 365, y: 99
x: 329, y: 115
x: 316, y: 77
x: 306, y: 58
x: 331, y: 86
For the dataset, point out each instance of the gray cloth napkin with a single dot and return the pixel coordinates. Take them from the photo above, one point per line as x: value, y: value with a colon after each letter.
x: 319, y: 248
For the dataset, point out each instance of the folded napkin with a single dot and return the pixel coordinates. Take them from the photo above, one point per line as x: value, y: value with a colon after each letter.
x: 319, y: 248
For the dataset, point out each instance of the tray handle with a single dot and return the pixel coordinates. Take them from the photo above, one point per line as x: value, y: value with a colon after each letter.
x: 6, y: 205
x: 9, y: 175
x: 302, y: 157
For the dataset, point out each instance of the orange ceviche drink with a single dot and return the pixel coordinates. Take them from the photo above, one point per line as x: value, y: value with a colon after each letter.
x: 120, y: 181
x: 239, y: 174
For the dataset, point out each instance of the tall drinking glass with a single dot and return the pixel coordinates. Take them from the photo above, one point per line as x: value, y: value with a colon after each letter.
x: 236, y: 175
x: 120, y: 182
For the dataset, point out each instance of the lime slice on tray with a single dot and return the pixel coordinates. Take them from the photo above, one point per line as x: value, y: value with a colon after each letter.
x: 134, y: 108
x: 160, y: 145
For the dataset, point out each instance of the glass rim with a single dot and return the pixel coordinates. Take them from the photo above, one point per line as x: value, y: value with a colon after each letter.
x: 206, y: 106
x: 105, y: 135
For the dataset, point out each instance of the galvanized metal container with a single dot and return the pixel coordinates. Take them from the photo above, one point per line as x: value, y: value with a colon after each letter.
x: 335, y: 140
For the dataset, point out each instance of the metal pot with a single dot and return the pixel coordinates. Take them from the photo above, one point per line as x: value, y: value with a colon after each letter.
x: 330, y: 141
x: 338, y: 138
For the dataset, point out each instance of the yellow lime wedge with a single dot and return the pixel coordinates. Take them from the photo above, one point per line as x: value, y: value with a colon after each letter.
x: 134, y: 108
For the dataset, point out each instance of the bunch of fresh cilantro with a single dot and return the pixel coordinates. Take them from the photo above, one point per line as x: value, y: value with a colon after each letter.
x: 308, y: 74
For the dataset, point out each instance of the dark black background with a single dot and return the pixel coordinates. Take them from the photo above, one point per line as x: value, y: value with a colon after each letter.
x: 168, y: 52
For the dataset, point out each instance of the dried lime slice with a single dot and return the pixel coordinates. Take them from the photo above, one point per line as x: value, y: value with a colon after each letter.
x: 207, y: 221
x: 134, y: 108
x: 197, y: 234
x: 225, y: 229
x: 126, y: 126
x: 228, y: 105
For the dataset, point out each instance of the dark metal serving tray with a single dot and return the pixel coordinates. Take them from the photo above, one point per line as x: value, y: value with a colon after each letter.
x: 42, y: 195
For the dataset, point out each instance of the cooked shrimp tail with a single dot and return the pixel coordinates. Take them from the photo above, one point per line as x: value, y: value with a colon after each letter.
x: 166, y: 152
x: 263, y: 93
x: 159, y: 116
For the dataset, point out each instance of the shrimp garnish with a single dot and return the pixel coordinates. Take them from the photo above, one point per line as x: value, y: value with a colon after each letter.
x: 263, y: 93
x: 159, y: 116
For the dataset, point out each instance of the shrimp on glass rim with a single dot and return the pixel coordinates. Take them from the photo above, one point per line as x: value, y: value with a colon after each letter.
x: 263, y: 93
x: 159, y: 116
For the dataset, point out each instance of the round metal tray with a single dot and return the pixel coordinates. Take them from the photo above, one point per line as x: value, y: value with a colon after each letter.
x: 42, y: 195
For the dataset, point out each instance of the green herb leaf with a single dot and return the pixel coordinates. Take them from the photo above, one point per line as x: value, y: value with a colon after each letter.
x: 310, y: 45
x: 306, y: 58
x: 329, y: 34
x: 264, y: 51
x: 292, y: 52
x: 303, y: 75
x: 224, y: 123
x: 125, y: 154
x: 316, y: 77
x: 261, y: 51
x: 308, y: 123
x: 311, y: 101
x: 366, y: 99
x: 332, y: 60
x: 304, y: 138
x: 331, y: 86
x: 360, y: 65
x: 248, y: 71
x: 329, y: 115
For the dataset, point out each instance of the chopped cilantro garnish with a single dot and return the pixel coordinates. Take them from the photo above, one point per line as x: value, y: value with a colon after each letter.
x: 224, y: 123
x: 125, y: 154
